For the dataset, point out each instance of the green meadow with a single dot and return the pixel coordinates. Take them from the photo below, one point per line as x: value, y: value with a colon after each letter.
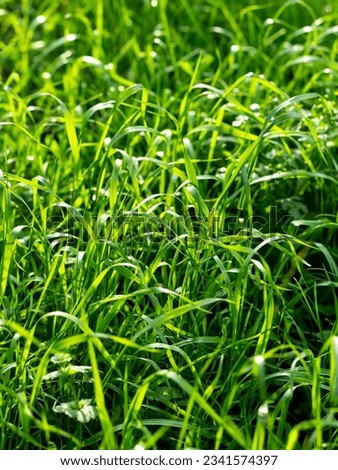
x: 168, y: 224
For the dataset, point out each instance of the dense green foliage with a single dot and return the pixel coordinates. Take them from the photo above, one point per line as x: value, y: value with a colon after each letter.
x: 168, y: 230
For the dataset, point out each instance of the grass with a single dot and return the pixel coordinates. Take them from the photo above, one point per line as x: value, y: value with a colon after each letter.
x: 168, y: 248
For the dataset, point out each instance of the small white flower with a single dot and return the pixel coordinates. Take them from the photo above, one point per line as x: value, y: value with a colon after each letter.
x: 81, y: 410
x: 60, y: 358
